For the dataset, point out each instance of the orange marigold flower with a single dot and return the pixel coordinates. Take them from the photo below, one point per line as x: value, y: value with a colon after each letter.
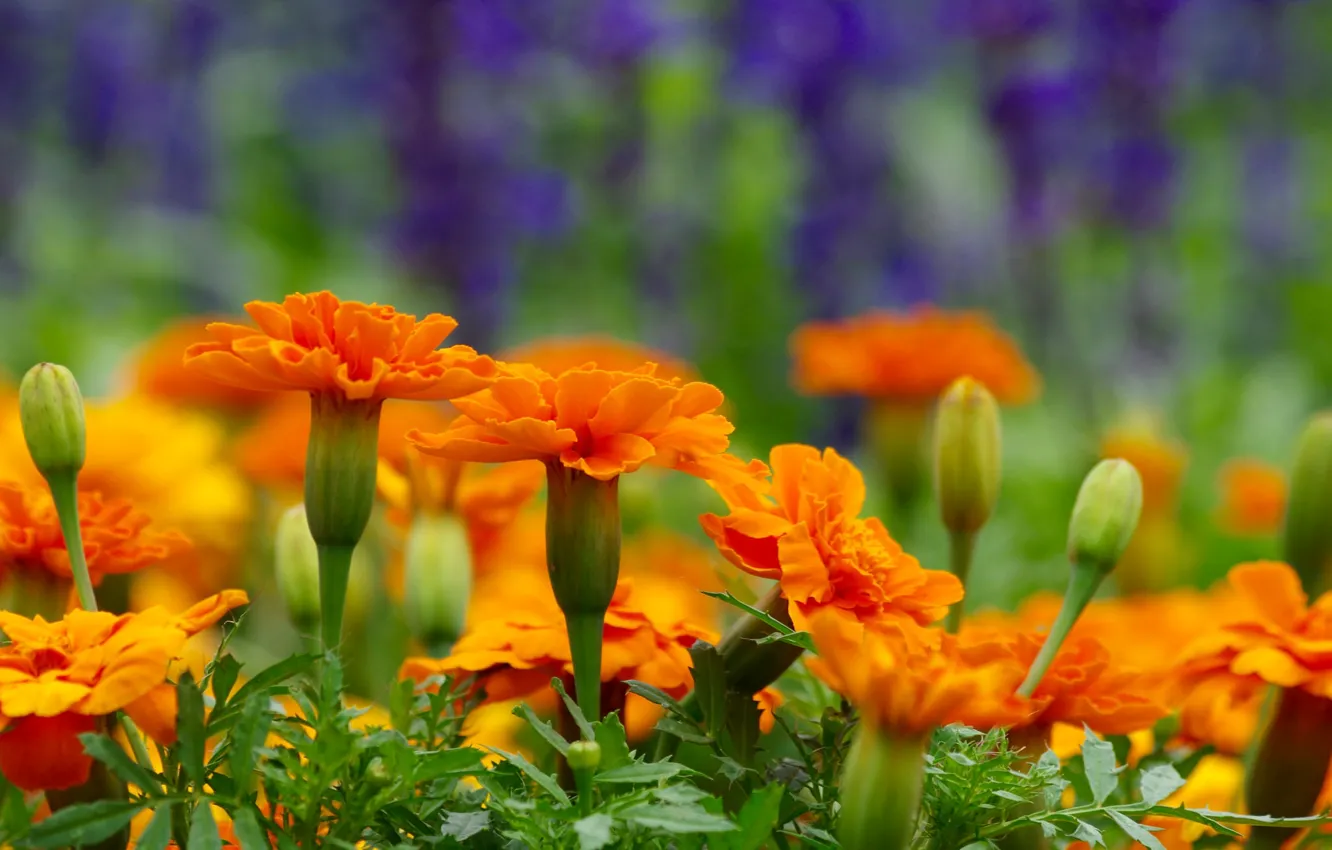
x: 271, y: 451
x: 769, y: 700
x: 557, y: 355
x: 116, y: 537
x: 1253, y: 497
x: 61, y: 679
x: 909, y: 356
x: 907, y: 679
x: 598, y: 422
x: 809, y: 536
x: 1083, y: 686
x: 321, y: 344
x: 158, y: 371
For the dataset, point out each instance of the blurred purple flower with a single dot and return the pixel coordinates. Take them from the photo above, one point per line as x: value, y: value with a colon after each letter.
x: 1270, y: 214
x: 619, y: 32
x: 1139, y: 174
x: 997, y: 20
x: 102, y: 78
x: 538, y: 204
x: 496, y: 36
x: 1033, y: 118
x: 194, y: 28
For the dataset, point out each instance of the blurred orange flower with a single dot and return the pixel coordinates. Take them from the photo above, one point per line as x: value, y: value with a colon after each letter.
x: 769, y: 700
x: 158, y: 371
x: 1159, y: 461
x: 557, y: 355
x: 116, y: 537
x: 909, y: 356
x: 61, y: 679
x: 809, y: 536
x: 271, y: 451
x: 1253, y: 497
x: 907, y: 679
x: 598, y: 422
x: 322, y: 345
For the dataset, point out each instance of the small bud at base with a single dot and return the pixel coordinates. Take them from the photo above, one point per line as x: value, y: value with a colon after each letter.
x: 584, y: 755
x: 296, y: 562
x: 1105, y: 515
x: 438, y: 579
x: 966, y: 456
x: 51, y: 412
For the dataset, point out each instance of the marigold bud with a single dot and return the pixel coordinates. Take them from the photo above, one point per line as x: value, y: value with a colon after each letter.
x: 1308, y: 534
x: 880, y: 790
x: 438, y: 579
x: 1105, y: 515
x: 584, y: 755
x: 51, y: 411
x: 297, y: 565
x: 966, y: 455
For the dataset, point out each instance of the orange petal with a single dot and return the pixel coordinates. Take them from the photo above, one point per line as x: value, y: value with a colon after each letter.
x: 44, y: 753
x: 155, y: 713
x: 1273, y: 589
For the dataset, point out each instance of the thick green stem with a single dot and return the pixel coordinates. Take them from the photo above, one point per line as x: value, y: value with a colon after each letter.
x: 961, y: 547
x: 880, y: 790
x: 334, y: 569
x: 1291, y: 763
x: 1083, y: 582
x: 752, y: 666
x: 585, y: 632
x: 65, y: 494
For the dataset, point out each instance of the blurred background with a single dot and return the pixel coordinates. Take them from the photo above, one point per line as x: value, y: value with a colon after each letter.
x: 1135, y: 189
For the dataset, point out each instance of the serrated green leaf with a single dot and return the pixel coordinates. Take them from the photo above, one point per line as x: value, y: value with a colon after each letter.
x: 679, y: 795
x: 1182, y: 813
x: 655, y: 695
x: 983, y: 844
x: 1005, y: 794
x: 111, y: 754
x: 640, y: 773
x: 730, y: 768
x: 594, y: 831
x: 543, y: 729
x: 683, y: 731
x: 755, y: 821
x: 1260, y: 820
x: 962, y: 759
x: 222, y: 677
x: 536, y: 774
x: 1049, y: 830
x: 584, y: 728
x: 611, y: 737
x: 247, y: 736
x: 203, y: 829
x: 402, y: 705
x: 190, y: 728
x: 812, y: 837
x: 1136, y: 831
x: 675, y: 819
x: 783, y: 632
x: 157, y: 835
x: 1088, y: 833
x: 87, y: 823
x: 463, y: 825
x: 262, y: 682
x: 462, y: 761
x: 249, y: 833
x: 1159, y: 782
x: 1098, y: 759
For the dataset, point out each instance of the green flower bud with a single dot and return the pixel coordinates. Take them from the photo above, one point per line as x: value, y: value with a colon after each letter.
x: 966, y: 455
x: 1308, y: 535
x: 881, y: 786
x: 377, y: 773
x: 297, y: 566
x: 51, y: 410
x: 584, y: 755
x: 438, y: 580
x: 1105, y: 515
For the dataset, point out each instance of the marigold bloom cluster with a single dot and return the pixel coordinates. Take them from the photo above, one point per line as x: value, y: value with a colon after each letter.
x: 910, y: 357
x: 599, y: 422
x: 809, y: 536
x: 57, y: 680
x: 116, y: 536
x: 320, y: 344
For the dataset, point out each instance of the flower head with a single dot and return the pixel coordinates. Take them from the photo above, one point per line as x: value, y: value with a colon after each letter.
x: 599, y: 422
x: 158, y: 371
x: 58, y: 680
x: 809, y: 536
x: 1253, y: 497
x: 908, y: 680
x: 116, y: 536
x: 320, y: 344
x: 557, y: 355
x: 909, y: 357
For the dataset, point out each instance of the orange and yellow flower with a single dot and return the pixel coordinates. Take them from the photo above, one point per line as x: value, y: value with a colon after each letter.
x: 1253, y: 497
x: 906, y: 679
x: 809, y: 536
x: 909, y: 357
x: 116, y: 536
x: 158, y: 371
x: 322, y: 345
x: 599, y: 422
x: 61, y: 679
x: 557, y: 355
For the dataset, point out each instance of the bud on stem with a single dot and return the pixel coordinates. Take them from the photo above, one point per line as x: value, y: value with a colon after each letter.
x: 584, y: 757
x: 340, y: 465
x: 1308, y: 532
x: 296, y: 562
x: 438, y: 579
x: 1104, y: 518
x: 583, y: 559
x: 880, y: 790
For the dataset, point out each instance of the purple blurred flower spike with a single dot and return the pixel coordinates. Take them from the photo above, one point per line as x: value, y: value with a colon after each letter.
x: 621, y: 32
x: 1140, y: 173
x: 997, y: 21
x: 100, y: 87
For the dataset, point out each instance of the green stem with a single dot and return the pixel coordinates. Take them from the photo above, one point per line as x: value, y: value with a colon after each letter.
x: 65, y: 495
x: 880, y: 791
x: 585, y: 633
x: 583, y: 784
x: 334, y: 567
x: 752, y: 666
x: 1083, y: 582
x: 961, y: 547
x: 135, y: 738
